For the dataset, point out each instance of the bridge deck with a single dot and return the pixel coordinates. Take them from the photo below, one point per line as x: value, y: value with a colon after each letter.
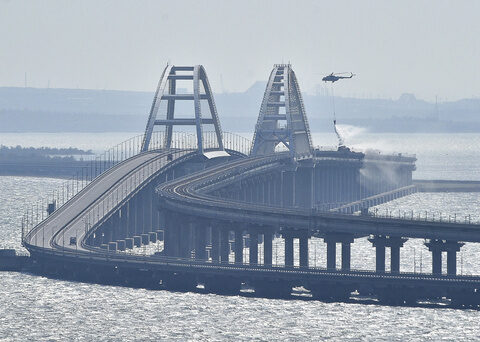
x: 96, y: 200
x: 295, y: 275
x: 188, y: 195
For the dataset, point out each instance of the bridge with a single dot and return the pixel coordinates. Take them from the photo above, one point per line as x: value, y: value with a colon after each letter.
x: 211, y: 205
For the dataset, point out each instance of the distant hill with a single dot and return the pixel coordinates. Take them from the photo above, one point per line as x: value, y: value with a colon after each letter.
x: 83, y: 110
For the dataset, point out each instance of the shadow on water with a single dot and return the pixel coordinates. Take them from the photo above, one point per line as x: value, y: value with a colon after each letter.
x: 246, y: 291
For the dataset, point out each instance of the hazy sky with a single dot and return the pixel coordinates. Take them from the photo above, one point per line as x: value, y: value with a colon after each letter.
x: 425, y: 47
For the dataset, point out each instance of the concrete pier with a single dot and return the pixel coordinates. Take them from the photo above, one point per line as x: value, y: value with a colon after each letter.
x: 200, y: 242
x: 437, y: 246
x: 303, y: 245
x: 395, y: 243
x: 346, y: 255
x: 121, y: 245
x: 112, y: 246
x: 267, y: 248
x: 253, y: 253
x: 380, y: 243
x: 137, y: 241
x: 288, y: 238
x: 224, y: 245
x: 215, y: 252
x: 239, y: 246
x: 331, y: 239
x: 129, y: 243
x: 152, y: 237
x: 145, y: 239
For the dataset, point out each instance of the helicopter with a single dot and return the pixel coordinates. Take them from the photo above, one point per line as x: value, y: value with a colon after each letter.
x: 334, y: 77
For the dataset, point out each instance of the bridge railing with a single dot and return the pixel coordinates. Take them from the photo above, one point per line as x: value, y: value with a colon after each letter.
x: 236, y: 142
x: 424, y: 216
x: 130, y: 255
x: 116, y: 196
x: 411, y: 215
x: 36, y: 212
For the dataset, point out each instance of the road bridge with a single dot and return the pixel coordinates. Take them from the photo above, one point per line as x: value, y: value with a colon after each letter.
x: 217, y: 209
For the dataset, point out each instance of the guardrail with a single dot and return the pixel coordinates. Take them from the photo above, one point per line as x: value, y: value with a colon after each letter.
x: 38, y: 211
x: 110, y: 256
x: 123, y: 190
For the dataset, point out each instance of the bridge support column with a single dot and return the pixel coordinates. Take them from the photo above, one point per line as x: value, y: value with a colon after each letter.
x: 250, y: 191
x: 171, y: 235
x: 436, y: 261
x: 452, y: 262
x: 200, y: 241
x: 303, y: 249
x: 215, y: 251
x: 253, y: 255
x: 437, y: 247
x: 161, y: 224
x: 139, y: 213
x: 116, y: 229
x: 124, y: 222
x: 263, y: 185
x: 267, y: 248
x: 239, y: 246
x: 271, y: 189
x: 288, y: 237
x: 380, y: 258
x: 108, y: 231
x: 304, y: 187
x: 395, y: 243
x: 257, y: 191
x: 224, y: 245
x: 379, y: 242
x: 244, y: 191
x: 98, y: 239
x: 288, y: 188
x: 185, y: 239
x: 131, y: 218
x: 346, y: 256
x: 277, y: 189
x: 452, y: 248
x: 331, y: 254
x: 332, y: 239
x: 147, y: 200
x: 155, y: 219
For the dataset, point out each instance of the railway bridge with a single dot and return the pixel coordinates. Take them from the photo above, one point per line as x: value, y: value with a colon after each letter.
x: 215, y: 207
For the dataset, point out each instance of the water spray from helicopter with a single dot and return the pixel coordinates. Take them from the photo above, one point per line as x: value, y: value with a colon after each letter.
x: 334, y: 77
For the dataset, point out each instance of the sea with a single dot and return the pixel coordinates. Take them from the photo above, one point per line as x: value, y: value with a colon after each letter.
x: 34, y: 308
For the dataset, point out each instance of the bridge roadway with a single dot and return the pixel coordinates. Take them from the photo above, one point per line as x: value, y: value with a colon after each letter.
x: 191, y: 195
x: 296, y: 276
x: 93, y: 203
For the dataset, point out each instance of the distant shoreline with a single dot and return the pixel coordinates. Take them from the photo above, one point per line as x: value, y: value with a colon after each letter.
x: 83, y: 110
x: 53, y: 169
x: 43, y: 161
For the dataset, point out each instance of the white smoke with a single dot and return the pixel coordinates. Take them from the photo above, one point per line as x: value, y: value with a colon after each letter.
x: 349, y: 132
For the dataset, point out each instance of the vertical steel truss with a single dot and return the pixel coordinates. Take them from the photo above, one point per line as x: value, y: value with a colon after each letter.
x: 289, y: 128
x: 167, y: 91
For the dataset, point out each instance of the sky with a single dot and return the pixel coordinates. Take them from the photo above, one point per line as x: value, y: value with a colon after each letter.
x: 428, y: 48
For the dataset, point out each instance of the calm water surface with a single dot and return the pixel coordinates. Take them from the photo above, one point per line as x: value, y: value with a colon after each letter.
x: 36, y: 308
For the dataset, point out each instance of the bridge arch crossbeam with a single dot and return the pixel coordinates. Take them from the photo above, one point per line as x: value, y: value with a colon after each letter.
x: 275, y: 127
x: 167, y: 94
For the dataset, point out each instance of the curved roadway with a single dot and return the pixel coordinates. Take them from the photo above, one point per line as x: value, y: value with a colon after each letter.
x: 193, y: 194
x: 105, y: 193
x: 93, y: 203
